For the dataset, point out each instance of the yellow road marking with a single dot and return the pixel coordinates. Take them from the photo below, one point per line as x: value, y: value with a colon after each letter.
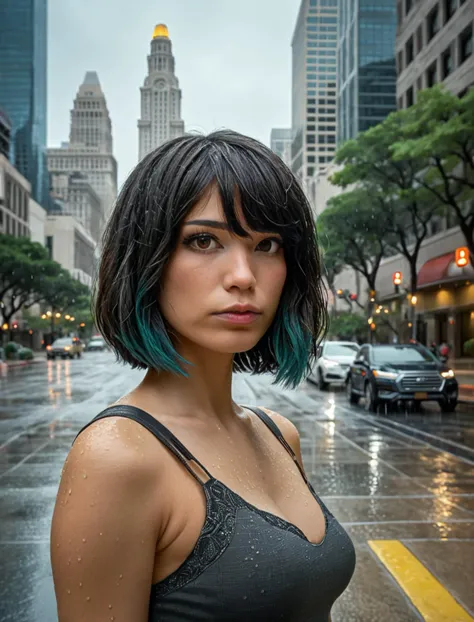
x: 432, y: 600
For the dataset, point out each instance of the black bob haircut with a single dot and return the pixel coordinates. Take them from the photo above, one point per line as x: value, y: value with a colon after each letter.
x: 142, y: 233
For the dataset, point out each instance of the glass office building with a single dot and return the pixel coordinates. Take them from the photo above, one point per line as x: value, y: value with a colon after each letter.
x: 23, y: 57
x: 367, y: 76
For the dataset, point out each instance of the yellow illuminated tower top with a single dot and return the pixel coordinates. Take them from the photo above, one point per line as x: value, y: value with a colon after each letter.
x: 161, y: 30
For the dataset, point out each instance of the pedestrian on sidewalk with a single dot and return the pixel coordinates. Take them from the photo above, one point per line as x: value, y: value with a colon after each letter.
x: 175, y: 502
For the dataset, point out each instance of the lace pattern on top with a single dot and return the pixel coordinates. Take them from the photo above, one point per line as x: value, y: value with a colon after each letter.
x: 221, y: 510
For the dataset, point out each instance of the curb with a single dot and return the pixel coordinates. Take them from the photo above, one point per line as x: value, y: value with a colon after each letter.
x: 13, y: 364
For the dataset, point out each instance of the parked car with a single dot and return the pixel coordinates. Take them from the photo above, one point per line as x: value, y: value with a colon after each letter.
x: 333, y: 362
x: 393, y: 373
x: 65, y: 347
x: 96, y: 344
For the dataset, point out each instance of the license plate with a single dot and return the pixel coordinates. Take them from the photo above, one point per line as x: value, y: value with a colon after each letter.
x: 421, y: 396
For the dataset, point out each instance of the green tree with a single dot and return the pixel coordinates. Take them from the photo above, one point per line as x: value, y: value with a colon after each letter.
x: 25, y: 268
x: 347, y: 325
x: 406, y: 207
x: 356, y: 232
x: 438, y: 133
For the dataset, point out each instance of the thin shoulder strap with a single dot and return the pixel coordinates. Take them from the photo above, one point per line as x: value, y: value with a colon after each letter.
x: 268, y: 421
x: 160, y: 431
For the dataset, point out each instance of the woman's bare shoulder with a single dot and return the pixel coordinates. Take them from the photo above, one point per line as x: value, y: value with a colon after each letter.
x: 287, y: 428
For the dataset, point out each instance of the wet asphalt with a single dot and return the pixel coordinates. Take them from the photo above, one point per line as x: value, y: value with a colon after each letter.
x: 391, y: 476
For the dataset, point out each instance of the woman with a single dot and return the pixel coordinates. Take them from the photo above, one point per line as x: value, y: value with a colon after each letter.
x: 176, y: 503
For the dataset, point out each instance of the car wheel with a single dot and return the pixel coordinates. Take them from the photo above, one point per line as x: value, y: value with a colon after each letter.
x: 351, y: 396
x: 79, y: 354
x: 449, y: 406
x: 371, y: 401
x: 321, y: 384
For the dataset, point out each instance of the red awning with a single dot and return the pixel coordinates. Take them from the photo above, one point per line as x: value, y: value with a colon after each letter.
x: 435, y: 270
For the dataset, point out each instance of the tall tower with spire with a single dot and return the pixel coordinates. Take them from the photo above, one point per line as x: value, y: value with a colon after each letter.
x: 160, y: 96
x: 90, y: 120
x: 83, y: 172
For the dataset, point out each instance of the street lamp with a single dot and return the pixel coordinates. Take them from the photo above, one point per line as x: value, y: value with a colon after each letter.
x: 414, y: 300
x: 462, y: 257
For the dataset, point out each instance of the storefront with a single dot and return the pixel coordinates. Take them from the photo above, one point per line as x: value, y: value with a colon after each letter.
x: 445, y: 306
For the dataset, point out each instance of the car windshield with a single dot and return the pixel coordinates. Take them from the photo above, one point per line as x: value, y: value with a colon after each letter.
x: 96, y: 339
x: 63, y: 342
x: 340, y: 349
x: 401, y: 354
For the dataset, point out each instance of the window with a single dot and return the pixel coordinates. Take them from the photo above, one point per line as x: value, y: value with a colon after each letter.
x: 409, y: 51
x: 409, y: 98
x: 419, y: 39
x: 446, y: 63
x: 419, y: 83
x: 408, y: 5
x: 449, y: 9
x: 465, y: 44
x: 431, y: 75
x: 400, y: 61
x: 432, y: 23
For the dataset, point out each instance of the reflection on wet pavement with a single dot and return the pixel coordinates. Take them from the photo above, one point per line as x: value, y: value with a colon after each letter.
x: 381, y: 482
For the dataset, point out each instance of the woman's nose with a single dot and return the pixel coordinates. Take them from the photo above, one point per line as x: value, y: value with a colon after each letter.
x: 239, y: 271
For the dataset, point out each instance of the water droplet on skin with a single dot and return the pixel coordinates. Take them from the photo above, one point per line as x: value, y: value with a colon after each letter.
x: 79, y: 559
x: 112, y: 617
x: 256, y: 565
x: 69, y: 591
x: 80, y: 584
x: 84, y: 476
x: 110, y: 606
x: 101, y: 534
x: 88, y: 598
x: 121, y: 576
x: 84, y: 540
x: 69, y: 492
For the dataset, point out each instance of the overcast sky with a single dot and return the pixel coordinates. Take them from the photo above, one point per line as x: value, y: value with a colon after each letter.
x: 233, y: 62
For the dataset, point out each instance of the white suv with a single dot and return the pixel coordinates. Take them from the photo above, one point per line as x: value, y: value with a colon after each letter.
x: 333, y: 363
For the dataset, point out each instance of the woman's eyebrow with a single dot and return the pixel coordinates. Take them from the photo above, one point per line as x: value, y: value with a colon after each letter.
x: 217, y: 224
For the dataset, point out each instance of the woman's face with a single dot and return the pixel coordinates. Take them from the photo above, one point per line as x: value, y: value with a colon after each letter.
x: 220, y: 291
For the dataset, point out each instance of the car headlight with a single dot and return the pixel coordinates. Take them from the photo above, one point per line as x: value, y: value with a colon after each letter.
x: 448, y: 374
x: 67, y: 347
x: 388, y: 375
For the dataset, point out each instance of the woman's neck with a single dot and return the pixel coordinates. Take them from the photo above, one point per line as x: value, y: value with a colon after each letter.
x: 206, y: 394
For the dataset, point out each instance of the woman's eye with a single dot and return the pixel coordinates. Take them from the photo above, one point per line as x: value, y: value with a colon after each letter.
x: 270, y: 245
x: 202, y: 242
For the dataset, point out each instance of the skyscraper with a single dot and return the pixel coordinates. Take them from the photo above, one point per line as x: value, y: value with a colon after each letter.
x: 23, y: 51
x: 280, y: 143
x: 314, y: 87
x: 367, y: 76
x: 89, y: 152
x: 160, y: 96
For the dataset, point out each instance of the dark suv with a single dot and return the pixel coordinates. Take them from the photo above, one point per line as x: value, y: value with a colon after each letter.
x: 392, y: 373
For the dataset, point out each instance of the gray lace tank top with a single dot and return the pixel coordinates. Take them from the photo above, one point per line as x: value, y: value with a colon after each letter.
x: 248, y: 565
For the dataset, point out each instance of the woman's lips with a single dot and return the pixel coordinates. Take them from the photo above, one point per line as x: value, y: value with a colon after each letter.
x: 238, y: 318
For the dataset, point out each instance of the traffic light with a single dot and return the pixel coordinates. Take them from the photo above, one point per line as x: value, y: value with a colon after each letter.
x: 462, y: 257
x: 353, y: 297
x: 397, y: 278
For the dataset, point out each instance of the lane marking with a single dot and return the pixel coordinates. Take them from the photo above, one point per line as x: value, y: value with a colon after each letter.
x: 427, y: 594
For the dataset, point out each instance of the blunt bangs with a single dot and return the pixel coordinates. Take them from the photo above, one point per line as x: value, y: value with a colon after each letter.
x: 142, y: 234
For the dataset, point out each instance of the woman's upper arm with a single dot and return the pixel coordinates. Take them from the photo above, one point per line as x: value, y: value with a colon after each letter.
x: 105, y: 527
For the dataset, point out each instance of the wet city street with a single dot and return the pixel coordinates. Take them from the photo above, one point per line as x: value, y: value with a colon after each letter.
x: 402, y: 485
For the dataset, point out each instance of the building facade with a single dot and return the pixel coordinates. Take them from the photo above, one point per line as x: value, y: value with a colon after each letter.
x: 90, y: 149
x: 5, y: 135
x: 160, y: 118
x: 15, y: 193
x: 71, y: 246
x: 367, y: 76
x: 23, y: 74
x: 434, y: 44
x: 73, y: 193
x: 280, y: 143
x: 314, y: 80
